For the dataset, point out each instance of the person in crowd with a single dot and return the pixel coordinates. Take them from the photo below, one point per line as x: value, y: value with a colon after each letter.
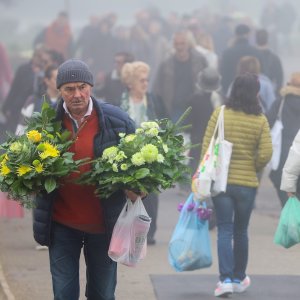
x: 160, y: 47
x: 287, y: 18
x: 72, y: 217
x: 203, y: 102
x: 112, y: 88
x: 141, y: 107
x: 269, y: 19
x: 270, y: 62
x: 6, y: 78
x: 175, y: 80
x: 23, y: 86
x: 242, y: 118
x: 35, y: 103
x: 205, y: 45
x: 232, y: 55
x: 57, y: 36
x: 6, y: 73
x: 250, y: 64
x: 291, y: 169
x: 290, y: 101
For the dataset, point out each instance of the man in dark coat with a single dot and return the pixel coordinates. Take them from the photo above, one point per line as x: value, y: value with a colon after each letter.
x: 231, y: 56
x: 73, y: 217
x: 270, y: 62
x: 175, y: 80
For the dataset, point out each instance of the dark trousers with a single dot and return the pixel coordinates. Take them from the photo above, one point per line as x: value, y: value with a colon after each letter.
x: 64, y: 254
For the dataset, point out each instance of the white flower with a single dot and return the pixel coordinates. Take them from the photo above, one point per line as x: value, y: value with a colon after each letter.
x: 148, y: 125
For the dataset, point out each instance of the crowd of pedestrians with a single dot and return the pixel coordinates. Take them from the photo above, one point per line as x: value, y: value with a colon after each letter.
x: 156, y: 68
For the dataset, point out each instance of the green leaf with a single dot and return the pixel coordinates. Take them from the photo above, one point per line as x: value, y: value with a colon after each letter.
x: 50, y: 184
x: 141, y: 173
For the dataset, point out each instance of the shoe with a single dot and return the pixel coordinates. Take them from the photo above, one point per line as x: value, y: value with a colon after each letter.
x: 224, y: 288
x: 40, y: 247
x: 241, y: 286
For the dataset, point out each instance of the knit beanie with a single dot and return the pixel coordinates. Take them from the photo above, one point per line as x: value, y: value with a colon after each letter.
x: 73, y: 70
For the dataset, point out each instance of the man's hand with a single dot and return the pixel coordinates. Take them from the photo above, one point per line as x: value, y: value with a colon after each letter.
x: 133, y: 195
x: 290, y: 194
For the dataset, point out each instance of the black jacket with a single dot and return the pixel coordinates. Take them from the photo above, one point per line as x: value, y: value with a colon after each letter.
x: 112, y: 121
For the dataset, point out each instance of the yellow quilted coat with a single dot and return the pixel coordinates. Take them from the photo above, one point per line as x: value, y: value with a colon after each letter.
x: 252, y: 144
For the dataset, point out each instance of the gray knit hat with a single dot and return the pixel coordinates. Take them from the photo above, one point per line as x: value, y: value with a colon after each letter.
x: 74, y: 70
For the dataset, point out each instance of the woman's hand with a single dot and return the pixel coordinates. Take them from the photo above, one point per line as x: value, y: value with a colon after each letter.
x: 133, y: 195
x: 290, y: 194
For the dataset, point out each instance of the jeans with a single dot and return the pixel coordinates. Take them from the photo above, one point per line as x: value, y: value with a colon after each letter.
x: 64, y: 254
x: 233, y: 211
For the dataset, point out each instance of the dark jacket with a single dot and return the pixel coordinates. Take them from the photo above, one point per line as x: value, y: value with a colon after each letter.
x: 230, y: 59
x: 112, y: 121
x: 271, y: 66
x: 291, y: 124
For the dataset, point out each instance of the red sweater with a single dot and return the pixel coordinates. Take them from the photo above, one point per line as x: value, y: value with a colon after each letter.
x: 77, y: 205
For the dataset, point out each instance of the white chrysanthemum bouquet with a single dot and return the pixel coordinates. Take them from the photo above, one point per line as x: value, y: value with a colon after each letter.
x: 150, y: 160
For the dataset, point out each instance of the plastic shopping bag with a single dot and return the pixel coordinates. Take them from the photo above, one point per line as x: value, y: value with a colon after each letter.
x: 276, y: 135
x: 288, y: 230
x: 189, y: 247
x: 128, y: 244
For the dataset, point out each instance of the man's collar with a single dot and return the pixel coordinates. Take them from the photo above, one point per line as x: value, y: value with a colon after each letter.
x: 88, y: 112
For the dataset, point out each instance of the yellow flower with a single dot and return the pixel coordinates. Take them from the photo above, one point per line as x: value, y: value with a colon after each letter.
x: 34, y: 136
x: 49, y: 151
x: 4, y: 170
x: 22, y: 170
x: 137, y: 159
x: 39, y: 168
x: 149, y: 153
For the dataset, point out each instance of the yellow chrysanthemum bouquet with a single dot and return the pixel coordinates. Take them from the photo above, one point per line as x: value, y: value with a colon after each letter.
x: 35, y: 161
x: 150, y: 160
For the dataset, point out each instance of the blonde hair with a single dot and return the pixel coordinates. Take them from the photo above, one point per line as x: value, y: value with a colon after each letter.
x: 130, y: 71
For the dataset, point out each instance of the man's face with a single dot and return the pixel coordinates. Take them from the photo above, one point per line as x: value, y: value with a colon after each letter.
x: 76, y: 96
x: 181, y: 46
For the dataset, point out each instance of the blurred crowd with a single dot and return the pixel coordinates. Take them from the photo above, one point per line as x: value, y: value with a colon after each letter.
x: 182, y: 60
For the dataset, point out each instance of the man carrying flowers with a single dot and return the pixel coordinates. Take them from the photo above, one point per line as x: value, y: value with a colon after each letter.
x: 72, y: 217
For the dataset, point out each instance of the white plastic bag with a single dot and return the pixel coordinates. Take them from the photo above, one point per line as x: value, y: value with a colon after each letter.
x: 128, y: 244
x: 276, y: 135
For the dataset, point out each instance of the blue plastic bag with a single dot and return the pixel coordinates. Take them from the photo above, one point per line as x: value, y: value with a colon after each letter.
x: 288, y: 230
x: 189, y: 247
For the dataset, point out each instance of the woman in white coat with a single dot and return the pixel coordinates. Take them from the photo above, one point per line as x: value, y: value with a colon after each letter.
x: 291, y: 169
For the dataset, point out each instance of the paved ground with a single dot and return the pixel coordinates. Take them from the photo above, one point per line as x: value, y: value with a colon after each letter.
x: 27, y: 270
